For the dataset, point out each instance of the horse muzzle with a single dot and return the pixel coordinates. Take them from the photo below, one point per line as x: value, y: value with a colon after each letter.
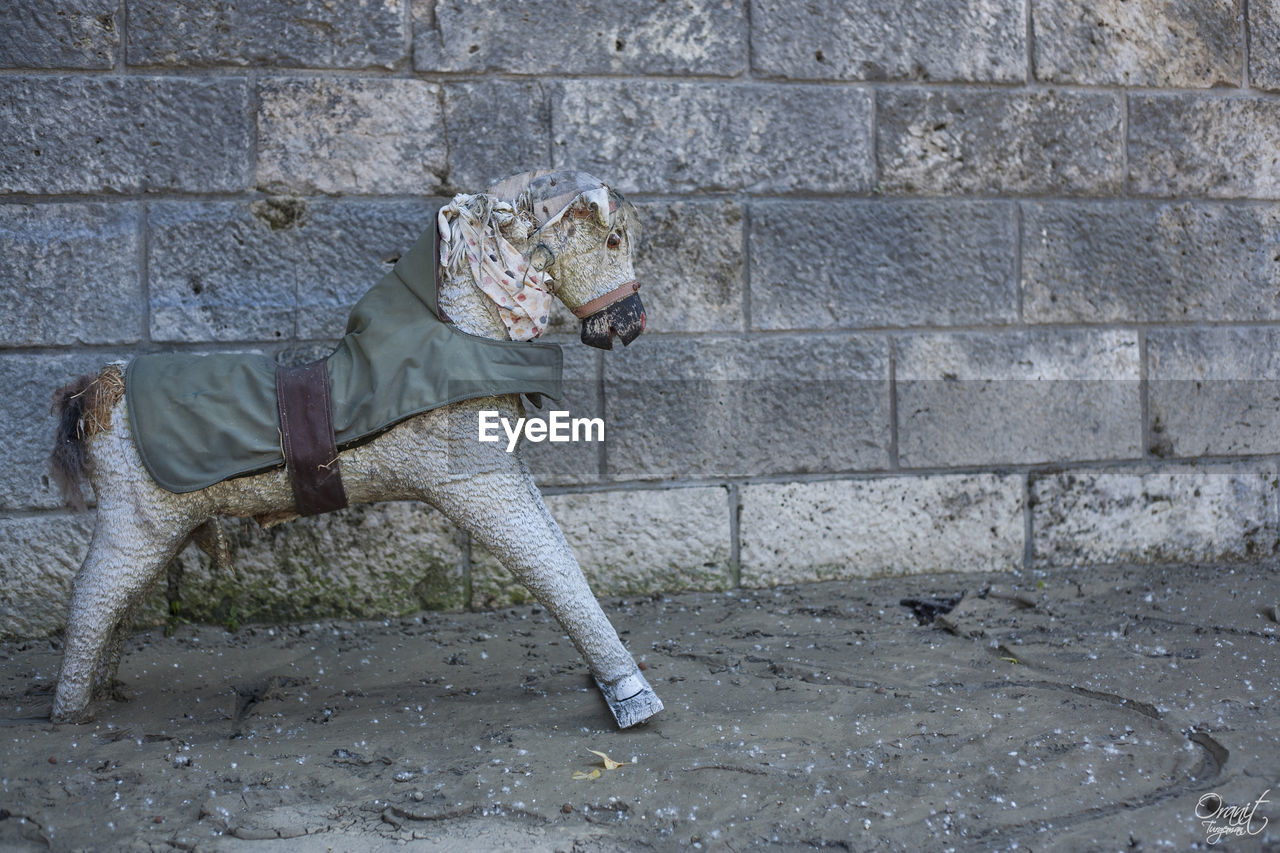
x: 619, y: 312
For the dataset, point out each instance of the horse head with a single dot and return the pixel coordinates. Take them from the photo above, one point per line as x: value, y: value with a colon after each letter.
x: 582, y: 235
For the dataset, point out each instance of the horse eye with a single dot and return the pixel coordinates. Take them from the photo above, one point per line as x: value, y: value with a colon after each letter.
x: 613, y: 241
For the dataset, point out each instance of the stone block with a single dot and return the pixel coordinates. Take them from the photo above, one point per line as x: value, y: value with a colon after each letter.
x: 124, y: 134
x: 29, y: 381
x: 1220, y: 513
x: 829, y: 264
x: 496, y: 128
x: 629, y: 542
x: 1264, y: 45
x: 365, y: 561
x: 39, y: 555
x: 1214, y: 391
x: 351, y: 135
x: 306, y: 34
x: 973, y: 40
x: 1150, y: 262
x: 1018, y: 397
x: 730, y: 406
x: 570, y: 463
x: 797, y: 532
x: 70, y: 274
x: 592, y: 37
x: 666, y: 136
x: 1175, y: 43
x: 344, y: 248
x: 216, y: 274
x: 79, y: 34
x: 1193, y: 145
x: 943, y: 141
x: 691, y: 263
x: 299, y: 264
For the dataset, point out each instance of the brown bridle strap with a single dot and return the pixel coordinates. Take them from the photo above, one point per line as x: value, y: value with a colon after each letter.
x: 587, y: 309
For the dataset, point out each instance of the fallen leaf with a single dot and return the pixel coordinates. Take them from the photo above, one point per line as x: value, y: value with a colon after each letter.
x: 594, y: 774
x: 609, y: 763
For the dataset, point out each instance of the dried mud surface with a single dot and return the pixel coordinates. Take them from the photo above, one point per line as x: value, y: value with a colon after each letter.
x: 1088, y: 709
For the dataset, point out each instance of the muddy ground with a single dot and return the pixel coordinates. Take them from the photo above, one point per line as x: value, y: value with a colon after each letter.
x: 1091, y: 709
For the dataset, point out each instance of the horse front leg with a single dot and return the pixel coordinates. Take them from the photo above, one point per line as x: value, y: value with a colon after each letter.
x: 497, y: 502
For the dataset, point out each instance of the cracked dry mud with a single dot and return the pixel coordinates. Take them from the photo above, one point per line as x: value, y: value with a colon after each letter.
x: 1087, y: 709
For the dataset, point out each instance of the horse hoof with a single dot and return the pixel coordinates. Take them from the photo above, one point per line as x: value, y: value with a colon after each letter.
x: 630, y: 699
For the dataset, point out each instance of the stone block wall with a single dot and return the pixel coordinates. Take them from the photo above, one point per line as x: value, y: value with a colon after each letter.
x: 932, y: 284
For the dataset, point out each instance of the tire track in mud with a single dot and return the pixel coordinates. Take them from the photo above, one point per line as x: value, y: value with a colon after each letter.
x: 1213, y: 756
x: 1212, y: 764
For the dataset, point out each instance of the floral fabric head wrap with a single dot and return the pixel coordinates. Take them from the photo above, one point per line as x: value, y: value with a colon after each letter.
x: 471, y: 234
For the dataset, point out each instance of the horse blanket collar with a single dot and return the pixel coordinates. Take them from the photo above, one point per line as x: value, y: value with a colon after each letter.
x: 201, y: 419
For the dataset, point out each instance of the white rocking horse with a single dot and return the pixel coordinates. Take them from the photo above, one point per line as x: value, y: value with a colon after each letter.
x: 571, y: 236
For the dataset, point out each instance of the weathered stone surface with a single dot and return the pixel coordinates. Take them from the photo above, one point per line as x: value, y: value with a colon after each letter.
x: 368, y: 560
x: 1184, y: 43
x: 1264, y: 41
x: 659, y: 136
x: 80, y: 34
x: 1149, y: 262
x: 796, y: 532
x: 592, y: 37
x: 29, y: 382
x: 570, y: 463
x: 629, y: 542
x: 354, y: 135
x: 691, y: 264
x: 70, y: 274
x: 1018, y: 397
x: 345, y: 248
x: 496, y: 128
x: 1214, y: 391
x: 124, y: 134
x: 208, y: 262
x: 977, y: 40
x: 39, y: 555
x: 826, y: 264
x: 1189, y: 514
x: 792, y: 392
x: 306, y: 34
x: 725, y: 406
x: 270, y: 269
x: 1204, y: 146
x: 973, y: 141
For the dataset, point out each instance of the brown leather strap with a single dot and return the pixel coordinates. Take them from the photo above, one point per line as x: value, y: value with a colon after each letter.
x: 306, y: 432
x: 618, y: 293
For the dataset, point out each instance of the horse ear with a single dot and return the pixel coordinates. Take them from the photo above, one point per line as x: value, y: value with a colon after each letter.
x: 596, y: 204
x: 551, y: 196
x: 590, y: 204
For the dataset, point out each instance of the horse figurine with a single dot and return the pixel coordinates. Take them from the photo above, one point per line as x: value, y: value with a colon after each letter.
x: 171, y: 443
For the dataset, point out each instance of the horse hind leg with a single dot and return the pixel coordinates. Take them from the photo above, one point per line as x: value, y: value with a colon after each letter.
x: 127, y: 554
x: 213, y: 541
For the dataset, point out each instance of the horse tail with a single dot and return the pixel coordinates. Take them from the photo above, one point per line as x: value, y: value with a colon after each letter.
x: 83, y: 408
